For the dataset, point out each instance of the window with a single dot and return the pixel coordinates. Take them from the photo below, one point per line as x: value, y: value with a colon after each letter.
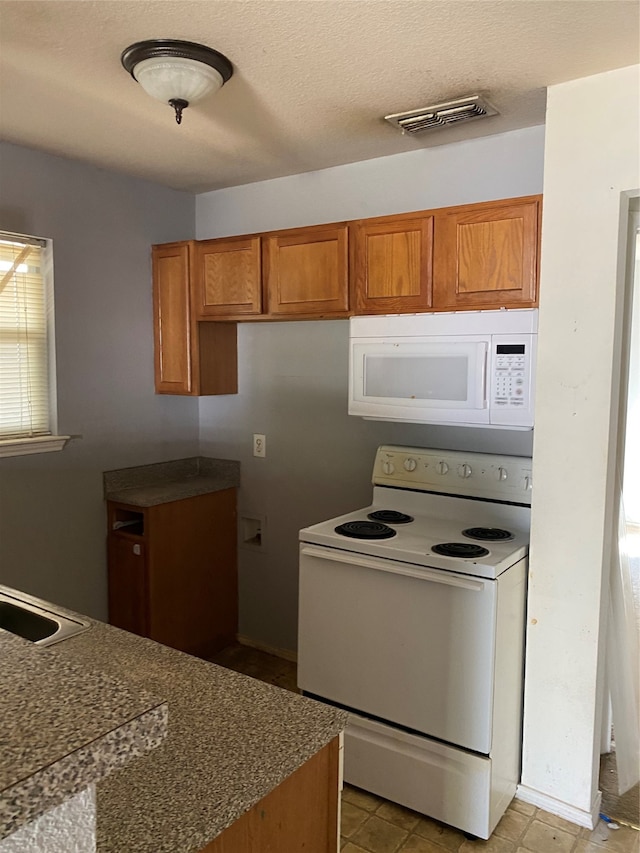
x: 27, y: 384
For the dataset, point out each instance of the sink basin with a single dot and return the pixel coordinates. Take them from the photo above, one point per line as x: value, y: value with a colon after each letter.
x: 28, y: 618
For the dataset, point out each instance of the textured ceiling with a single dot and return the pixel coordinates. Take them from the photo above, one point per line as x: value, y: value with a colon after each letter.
x: 312, y: 80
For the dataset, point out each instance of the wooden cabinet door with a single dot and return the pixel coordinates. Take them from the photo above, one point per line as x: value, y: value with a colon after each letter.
x: 127, y: 583
x: 392, y: 264
x: 305, y: 271
x: 172, y: 319
x: 487, y: 255
x: 227, y: 277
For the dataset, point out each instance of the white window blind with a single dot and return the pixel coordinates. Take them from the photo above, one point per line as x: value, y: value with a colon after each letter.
x: 25, y: 410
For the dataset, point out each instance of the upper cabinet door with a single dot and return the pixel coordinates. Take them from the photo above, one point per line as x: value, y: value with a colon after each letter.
x: 306, y: 271
x: 392, y: 264
x: 172, y: 319
x: 487, y: 255
x: 227, y: 277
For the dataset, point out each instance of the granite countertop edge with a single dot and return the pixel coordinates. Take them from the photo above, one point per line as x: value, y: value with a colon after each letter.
x: 232, y: 740
x: 54, y: 784
x: 164, y: 482
x: 65, y: 727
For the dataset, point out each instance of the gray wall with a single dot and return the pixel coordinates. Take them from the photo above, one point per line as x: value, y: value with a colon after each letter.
x: 293, y: 375
x: 52, y: 514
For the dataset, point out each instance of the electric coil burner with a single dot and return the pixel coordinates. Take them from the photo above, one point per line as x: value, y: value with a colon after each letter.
x: 390, y: 516
x: 365, y: 530
x: 488, y: 534
x: 464, y: 550
x: 418, y: 632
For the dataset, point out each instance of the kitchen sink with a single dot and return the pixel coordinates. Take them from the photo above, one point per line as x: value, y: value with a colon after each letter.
x: 35, y: 620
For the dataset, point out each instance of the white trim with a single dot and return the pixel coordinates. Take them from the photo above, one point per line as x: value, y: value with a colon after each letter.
x: 27, y: 446
x: 271, y: 650
x: 559, y: 808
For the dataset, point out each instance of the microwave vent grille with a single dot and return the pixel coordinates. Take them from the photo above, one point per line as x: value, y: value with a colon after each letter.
x: 443, y: 114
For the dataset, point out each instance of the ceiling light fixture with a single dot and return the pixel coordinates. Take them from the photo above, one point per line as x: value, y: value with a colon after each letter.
x: 178, y: 73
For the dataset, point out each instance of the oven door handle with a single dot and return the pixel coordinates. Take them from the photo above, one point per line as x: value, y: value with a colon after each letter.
x: 442, y: 577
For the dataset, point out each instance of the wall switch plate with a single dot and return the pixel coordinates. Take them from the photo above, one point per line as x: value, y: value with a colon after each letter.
x: 259, y: 445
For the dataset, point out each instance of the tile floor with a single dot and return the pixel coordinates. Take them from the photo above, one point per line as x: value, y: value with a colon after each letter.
x: 372, y: 825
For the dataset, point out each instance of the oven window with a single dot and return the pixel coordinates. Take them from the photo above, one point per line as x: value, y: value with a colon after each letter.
x: 418, y: 377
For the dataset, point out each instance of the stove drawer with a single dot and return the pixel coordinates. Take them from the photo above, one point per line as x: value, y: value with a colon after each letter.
x: 448, y: 784
x: 413, y: 646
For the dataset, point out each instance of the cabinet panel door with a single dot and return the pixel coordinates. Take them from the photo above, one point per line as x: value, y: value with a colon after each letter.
x: 127, y: 584
x: 392, y: 265
x: 306, y: 271
x: 172, y: 319
x: 487, y: 255
x: 227, y: 277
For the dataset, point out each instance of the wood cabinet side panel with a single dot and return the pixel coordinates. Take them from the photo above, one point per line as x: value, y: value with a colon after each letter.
x: 192, y: 569
x: 301, y: 814
x: 172, y: 319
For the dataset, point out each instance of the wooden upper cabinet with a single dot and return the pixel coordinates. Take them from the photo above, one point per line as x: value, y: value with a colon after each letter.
x: 487, y: 255
x: 305, y: 271
x: 172, y: 318
x: 227, y: 278
x: 191, y: 358
x: 392, y: 264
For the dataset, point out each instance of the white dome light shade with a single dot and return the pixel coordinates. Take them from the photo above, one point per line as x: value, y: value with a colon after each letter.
x: 174, y: 78
x: 176, y: 72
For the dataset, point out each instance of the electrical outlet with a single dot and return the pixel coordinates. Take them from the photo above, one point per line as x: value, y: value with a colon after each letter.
x: 259, y: 445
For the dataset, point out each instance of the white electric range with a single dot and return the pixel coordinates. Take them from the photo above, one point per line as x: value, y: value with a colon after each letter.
x: 412, y: 618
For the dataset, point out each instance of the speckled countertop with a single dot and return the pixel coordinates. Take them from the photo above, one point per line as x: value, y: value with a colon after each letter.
x: 163, y: 482
x: 232, y: 739
x: 64, y: 727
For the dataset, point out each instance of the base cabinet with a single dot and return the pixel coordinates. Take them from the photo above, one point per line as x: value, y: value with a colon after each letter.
x: 299, y: 816
x: 173, y: 571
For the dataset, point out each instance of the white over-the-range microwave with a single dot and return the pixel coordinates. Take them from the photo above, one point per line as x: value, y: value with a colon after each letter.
x: 466, y: 368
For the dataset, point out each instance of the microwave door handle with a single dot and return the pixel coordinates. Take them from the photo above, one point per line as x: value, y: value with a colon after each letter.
x: 441, y: 577
x: 483, y: 363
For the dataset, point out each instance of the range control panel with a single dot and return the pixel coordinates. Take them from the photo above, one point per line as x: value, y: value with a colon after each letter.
x: 452, y: 472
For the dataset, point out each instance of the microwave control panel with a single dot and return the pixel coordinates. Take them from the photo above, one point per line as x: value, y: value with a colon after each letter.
x: 509, y: 368
x: 511, y: 376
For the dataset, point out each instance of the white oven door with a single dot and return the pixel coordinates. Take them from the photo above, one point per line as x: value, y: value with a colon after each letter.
x: 439, y: 380
x: 409, y: 645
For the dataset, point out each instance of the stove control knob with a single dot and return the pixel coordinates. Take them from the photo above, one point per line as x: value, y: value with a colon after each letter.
x: 502, y: 474
x: 442, y: 467
x: 410, y: 464
x: 527, y: 483
x: 464, y: 470
x: 387, y: 467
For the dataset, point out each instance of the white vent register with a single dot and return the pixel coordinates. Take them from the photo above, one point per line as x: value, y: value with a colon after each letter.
x: 442, y: 115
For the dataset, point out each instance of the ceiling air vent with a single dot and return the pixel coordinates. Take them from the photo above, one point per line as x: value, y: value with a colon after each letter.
x: 442, y: 115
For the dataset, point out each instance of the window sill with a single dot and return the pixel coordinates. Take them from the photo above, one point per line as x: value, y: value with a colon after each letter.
x: 27, y: 446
